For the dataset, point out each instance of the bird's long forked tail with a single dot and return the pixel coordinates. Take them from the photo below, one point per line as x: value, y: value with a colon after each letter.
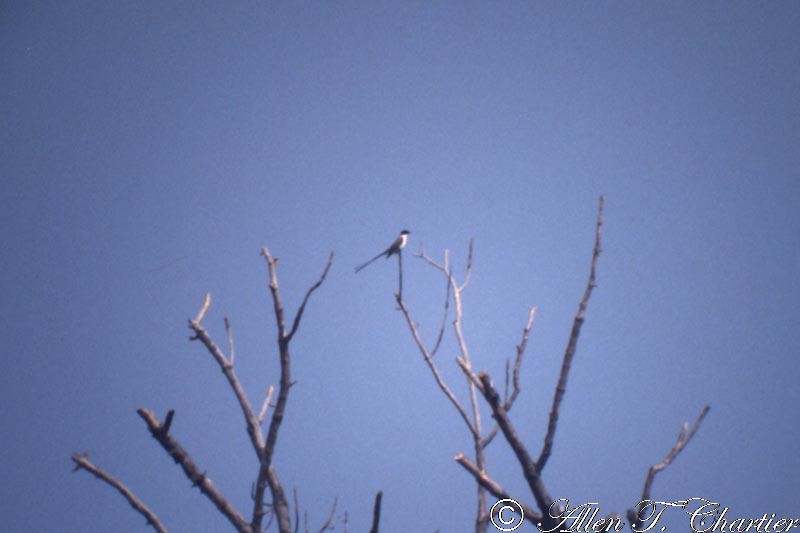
x: 362, y: 266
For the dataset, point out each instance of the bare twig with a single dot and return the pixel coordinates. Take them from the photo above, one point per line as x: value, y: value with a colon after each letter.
x: 265, y: 405
x: 271, y: 518
x: 168, y: 421
x: 475, y: 424
x: 315, y: 286
x: 518, y: 359
x: 296, y: 511
x: 230, y: 340
x: 493, y: 487
x: 434, y: 370
x: 330, y: 523
x: 509, y: 401
x: 400, y: 274
x: 505, y: 385
x: 468, y: 274
x: 195, y: 475
x: 425, y: 257
x: 376, y: 512
x: 253, y: 425
x: 152, y: 520
x: 684, y: 436
x: 204, y: 308
x: 561, y: 388
x: 444, y: 315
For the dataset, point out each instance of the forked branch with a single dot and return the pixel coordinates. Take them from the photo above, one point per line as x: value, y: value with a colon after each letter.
x: 426, y: 356
x: 226, y: 365
x: 509, y: 400
x: 264, y: 447
x: 267, y: 474
x: 473, y: 422
x: 529, y: 470
x: 195, y: 475
x: 684, y: 436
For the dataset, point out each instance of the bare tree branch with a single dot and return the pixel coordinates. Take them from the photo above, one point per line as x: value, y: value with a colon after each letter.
x: 280, y: 506
x: 434, y: 370
x: 330, y: 523
x: 466, y: 368
x: 529, y: 470
x: 265, y: 405
x: 168, y: 421
x: 444, y: 315
x: 400, y: 273
x: 82, y: 462
x: 311, y: 289
x: 492, y: 486
x: 376, y: 512
x: 509, y: 401
x: 505, y: 383
x: 198, y: 478
x: 468, y: 274
x: 264, y: 448
x: 425, y: 257
x: 296, y: 511
x: 267, y: 474
x: 444, y: 269
x: 271, y: 518
x: 230, y: 340
x: 473, y: 424
x: 253, y: 425
x: 204, y: 308
x: 518, y: 359
x: 561, y: 388
x: 280, y: 319
x: 684, y: 436
x: 462, y: 345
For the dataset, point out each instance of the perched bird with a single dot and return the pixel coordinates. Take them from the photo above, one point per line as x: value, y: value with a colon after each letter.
x: 399, y: 243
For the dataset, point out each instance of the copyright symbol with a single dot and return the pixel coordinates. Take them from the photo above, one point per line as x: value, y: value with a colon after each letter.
x: 506, y: 515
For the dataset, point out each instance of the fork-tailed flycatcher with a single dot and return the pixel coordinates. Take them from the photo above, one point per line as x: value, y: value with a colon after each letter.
x: 390, y: 251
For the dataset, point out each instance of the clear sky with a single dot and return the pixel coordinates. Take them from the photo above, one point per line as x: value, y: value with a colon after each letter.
x: 148, y: 151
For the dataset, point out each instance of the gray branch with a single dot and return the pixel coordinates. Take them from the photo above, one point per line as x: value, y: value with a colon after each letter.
x: 82, y: 462
x: 561, y: 388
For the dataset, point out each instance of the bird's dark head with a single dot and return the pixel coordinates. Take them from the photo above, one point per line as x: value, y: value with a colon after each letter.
x: 405, y: 232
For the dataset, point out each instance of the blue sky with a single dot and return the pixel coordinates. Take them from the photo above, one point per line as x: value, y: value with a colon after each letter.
x: 150, y: 150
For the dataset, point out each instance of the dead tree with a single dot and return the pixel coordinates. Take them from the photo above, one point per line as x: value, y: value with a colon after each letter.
x: 481, y: 384
x: 277, y: 510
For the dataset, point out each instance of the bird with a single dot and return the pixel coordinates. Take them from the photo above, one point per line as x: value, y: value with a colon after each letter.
x: 395, y: 248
